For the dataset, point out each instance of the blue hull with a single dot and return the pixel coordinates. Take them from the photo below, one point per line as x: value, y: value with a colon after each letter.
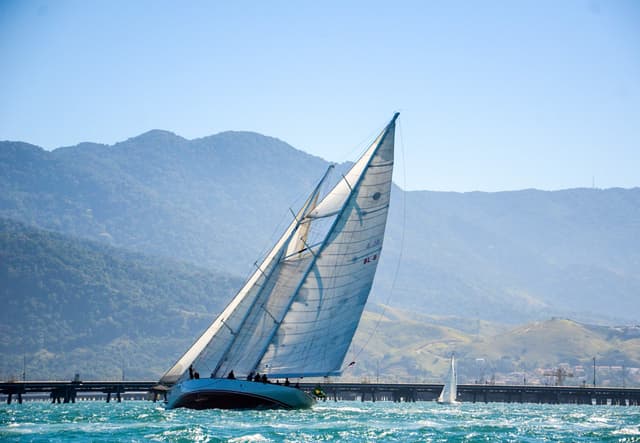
x: 220, y: 393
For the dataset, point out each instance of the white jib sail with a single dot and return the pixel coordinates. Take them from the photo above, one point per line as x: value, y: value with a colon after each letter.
x: 297, y: 314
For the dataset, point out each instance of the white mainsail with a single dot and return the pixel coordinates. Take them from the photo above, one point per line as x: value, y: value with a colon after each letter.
x: 449, y: 392
x: 296, y: 315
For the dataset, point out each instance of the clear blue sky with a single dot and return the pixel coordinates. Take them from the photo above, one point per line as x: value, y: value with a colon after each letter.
x: 494, y: 95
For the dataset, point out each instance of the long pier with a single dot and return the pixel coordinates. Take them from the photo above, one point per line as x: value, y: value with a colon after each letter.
x: 477, y: 393
x: 67, y: 392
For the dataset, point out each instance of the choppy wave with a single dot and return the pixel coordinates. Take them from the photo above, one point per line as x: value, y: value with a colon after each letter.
x: 330, y: 421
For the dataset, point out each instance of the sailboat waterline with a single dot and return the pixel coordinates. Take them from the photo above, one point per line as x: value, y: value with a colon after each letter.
x: 297, y: 313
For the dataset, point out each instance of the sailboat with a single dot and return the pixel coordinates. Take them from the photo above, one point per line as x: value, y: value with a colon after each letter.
x: 297, y: 313
x: 449, y: 392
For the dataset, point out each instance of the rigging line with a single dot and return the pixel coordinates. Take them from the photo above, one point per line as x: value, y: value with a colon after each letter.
x: 397, y: 271
x: 228, y: 327
x: 269, y: 313
x: 360, y: 147
x: 255, y: 263
x: 347, y: 182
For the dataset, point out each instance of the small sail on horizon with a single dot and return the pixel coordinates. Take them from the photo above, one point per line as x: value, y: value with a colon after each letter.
x: 296, y: 314
x: 449, y: 393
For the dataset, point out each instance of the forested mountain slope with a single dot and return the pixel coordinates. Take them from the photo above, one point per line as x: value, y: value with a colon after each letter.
x: 220, y: 201
x: 73, y: 304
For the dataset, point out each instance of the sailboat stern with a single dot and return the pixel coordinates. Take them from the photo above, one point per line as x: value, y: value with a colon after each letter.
x: 220, y: 393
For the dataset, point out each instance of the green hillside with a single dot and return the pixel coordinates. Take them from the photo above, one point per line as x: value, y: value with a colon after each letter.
x: 402, y: 346
x: 73, y: 305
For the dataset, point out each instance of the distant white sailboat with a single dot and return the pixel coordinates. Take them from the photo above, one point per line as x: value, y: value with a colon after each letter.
x: 449, y: 392
x: 296, y: 315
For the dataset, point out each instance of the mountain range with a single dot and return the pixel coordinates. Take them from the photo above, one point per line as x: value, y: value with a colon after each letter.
x: 219, y: 202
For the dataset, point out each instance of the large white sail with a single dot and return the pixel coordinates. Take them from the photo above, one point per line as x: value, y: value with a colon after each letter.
x: 297, y: 314
x: 317, y: 329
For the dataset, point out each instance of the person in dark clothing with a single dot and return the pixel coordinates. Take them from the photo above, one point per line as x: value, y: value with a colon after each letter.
x: 257, y: 377
x: 287, y: 382
x: 250, y: 376
x: 264, y: 378
x: 190, y: 372
x: 231, y: 375
x: 196, y: 375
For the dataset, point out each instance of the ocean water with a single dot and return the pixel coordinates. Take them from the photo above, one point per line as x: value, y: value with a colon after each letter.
x: 331, y: 421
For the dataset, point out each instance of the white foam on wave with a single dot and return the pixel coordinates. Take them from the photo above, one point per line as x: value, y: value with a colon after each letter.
x: 182, y: 433
x: 249, y: 439
x: 427, y: 424
x: 21, y: 428
x: 598, y: 419
x: 339, y: 409
x: 627, y: 431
